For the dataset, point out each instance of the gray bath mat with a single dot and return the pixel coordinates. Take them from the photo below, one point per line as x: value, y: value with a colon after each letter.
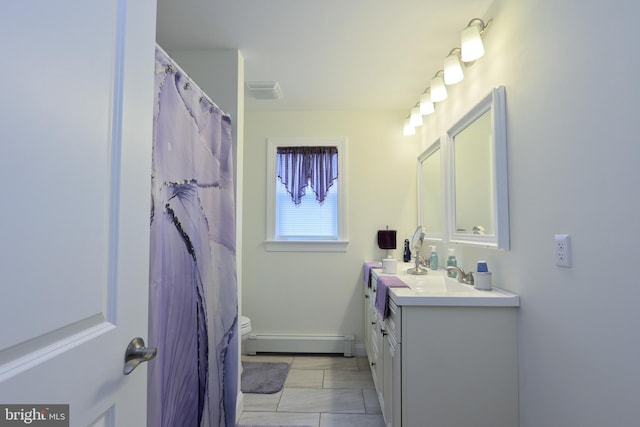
x: 263, y: 377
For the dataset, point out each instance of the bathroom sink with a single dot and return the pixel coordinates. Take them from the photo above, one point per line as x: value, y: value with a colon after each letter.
x: 438, y: 284
x: 429, y: 285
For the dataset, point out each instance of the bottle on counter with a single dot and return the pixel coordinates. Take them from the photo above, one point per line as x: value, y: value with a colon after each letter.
x: 452, y: 262
x: 406, y: 257
x: 433, y: 258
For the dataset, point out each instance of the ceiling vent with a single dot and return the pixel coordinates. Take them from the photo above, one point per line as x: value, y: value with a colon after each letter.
x: 264, y: 90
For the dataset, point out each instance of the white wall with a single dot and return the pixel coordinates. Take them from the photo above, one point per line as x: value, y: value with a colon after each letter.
x: 571, y: 72
x: 316, y: 293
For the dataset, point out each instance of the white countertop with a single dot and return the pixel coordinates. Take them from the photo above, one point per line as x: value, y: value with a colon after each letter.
x: 437, y: 289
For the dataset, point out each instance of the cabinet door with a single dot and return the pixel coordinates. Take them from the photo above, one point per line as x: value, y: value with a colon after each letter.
x: 387, y: 391
x: 396, y: 388
x: 367, y: 323
x: 392, y: 381
x: 459, y: 366
x: 376, y: 350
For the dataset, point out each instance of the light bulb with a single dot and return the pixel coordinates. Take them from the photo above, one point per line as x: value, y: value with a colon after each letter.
x: 438, y: 91
x: 471, y: 43
x: 452, y: 70
x: 426, y: 106
x: 408, y: 129
x: 415, y: 118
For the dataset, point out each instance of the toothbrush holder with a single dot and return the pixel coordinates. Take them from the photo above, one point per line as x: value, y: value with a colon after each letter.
x: 482, y: 281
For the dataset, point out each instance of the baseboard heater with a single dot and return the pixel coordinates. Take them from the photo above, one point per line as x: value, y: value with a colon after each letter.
x: 275, y: 343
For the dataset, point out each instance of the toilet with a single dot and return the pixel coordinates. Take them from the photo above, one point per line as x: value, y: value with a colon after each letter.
x: 245, y: 330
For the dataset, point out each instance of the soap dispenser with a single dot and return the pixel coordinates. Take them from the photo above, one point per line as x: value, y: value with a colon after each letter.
x: 452, y: 262
x: 433, y: 259
x: 406, y: 257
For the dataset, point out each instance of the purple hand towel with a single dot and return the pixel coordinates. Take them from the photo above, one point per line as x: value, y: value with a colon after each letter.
x: 382, y: 292
x: 367, y: 271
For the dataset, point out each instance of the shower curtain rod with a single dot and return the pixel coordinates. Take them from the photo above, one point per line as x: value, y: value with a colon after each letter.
x: 204, y: 94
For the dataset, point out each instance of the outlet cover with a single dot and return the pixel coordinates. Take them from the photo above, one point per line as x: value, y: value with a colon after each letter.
x: 563, y: 250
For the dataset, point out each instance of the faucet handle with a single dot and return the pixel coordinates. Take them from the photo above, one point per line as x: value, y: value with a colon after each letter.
x: 470, y: 279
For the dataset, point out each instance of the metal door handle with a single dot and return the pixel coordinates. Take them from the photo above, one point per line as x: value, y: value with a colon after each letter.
x: 136, y: 354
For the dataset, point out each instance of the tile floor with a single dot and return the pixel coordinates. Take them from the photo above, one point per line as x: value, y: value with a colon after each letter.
x: 320, y: 391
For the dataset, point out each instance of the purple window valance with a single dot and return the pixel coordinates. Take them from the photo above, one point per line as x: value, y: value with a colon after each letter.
x: 298, y: 167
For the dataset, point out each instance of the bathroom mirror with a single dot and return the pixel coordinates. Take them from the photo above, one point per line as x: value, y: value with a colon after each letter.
x: 478, y: 191
x: 430, y: 192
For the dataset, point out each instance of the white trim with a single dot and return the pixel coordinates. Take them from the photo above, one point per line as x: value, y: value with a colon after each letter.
x: 496, y: 103
x: 239, y: 405
x: 306, y: 245
x: 339, y: 245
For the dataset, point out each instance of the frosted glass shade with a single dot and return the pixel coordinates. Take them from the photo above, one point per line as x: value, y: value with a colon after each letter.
x: 415, y: 118
x: 426, y: 106
x: 408, y: 129
x: 438, y: 91
x: 452, y: 70
x: 471, y: 44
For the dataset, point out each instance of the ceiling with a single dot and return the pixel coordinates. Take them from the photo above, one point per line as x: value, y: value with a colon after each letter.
x: 329, y: 54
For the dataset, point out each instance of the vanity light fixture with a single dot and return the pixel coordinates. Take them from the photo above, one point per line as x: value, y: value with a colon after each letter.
x: 438, y: 90
x: 471, y: 40
x: 416, y: 117
x: 471, y: 49
x: 408, y: 129
x: 452, y: 68
x: 426, y: 106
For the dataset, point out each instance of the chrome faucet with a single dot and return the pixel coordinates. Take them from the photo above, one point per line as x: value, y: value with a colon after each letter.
x: 462, y: 276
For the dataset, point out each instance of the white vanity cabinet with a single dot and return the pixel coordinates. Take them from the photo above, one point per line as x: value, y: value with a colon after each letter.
x: 448, y: 354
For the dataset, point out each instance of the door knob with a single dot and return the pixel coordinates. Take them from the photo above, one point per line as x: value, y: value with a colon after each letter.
x: 136, y: 354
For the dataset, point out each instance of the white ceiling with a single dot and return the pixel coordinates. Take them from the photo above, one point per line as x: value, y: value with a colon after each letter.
x: 329, y: 54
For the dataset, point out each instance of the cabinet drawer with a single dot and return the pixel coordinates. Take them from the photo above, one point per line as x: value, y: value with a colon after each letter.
x: 394, y: 320
x: 374, y: 283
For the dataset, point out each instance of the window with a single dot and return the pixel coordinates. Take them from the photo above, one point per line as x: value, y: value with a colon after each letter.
x: 309, y: 220
x: 306, y: 224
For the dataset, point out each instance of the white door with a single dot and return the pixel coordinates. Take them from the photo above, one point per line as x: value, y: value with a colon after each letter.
x: 76, y: 106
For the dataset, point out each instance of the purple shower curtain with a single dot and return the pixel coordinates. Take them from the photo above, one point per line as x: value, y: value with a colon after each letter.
x: 193, y: 305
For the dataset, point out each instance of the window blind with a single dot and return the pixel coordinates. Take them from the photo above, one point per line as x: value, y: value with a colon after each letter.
x: 309, y: 220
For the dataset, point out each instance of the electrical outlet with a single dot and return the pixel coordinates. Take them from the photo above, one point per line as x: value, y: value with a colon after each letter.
x: 563, y: 250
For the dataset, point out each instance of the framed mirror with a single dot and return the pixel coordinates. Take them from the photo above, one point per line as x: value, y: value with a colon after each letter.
x: 431, y: 192
x: 478, y: 189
